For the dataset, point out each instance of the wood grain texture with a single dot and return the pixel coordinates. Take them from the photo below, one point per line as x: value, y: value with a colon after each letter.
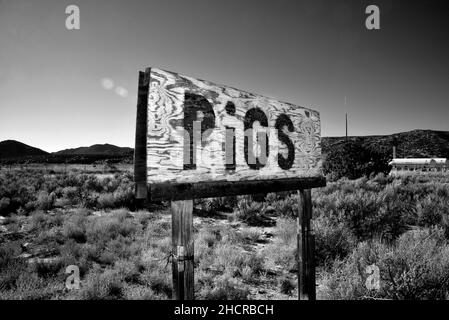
x: 165, y: 140
x: 306, y: 248
x: 176, y: 191
x: 140, y: 150
x: 183, y: 249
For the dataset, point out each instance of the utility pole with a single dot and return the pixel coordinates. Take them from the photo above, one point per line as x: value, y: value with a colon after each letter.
x: 346, y: 127
x: 346, y: 117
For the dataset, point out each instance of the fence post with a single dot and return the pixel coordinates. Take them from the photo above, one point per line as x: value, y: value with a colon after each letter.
x: 183, y: 250
x: 306, y: 248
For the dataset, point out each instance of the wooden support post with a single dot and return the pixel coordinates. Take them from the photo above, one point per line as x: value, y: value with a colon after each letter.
x: 183, y: 250
x: 306, y: 248
x: 140, y: 150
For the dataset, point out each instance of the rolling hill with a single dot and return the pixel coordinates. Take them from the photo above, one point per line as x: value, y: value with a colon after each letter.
x: 411, y: 144
x: 11, y: 149
x: 97, y: 149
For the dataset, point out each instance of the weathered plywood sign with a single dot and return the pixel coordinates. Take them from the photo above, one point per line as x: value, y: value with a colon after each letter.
x: 198, y: 132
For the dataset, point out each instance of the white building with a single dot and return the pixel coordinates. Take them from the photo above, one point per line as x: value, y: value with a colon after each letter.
x: 420, y: 164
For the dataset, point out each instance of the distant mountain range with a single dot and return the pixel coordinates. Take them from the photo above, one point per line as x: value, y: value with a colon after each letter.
x: 412, y: 144
x: 16, y: 149
x: 97, y: 149
x: 16, y: 152
x: 416, y: 144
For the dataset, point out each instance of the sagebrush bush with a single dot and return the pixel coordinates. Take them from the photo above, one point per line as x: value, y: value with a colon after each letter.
x: 251, y: 212
x: 106, y: 228
x: 4, y: 205
x: 106, y: 201
x: 287, y: 207
x: 75, y: 226
x: 384, y: 207
x: 250, y: 234
x: 286, y: 286
x: 353, y: 160
x: 214, y: 205
x: 396, y: 223
x: 332, y: 241
x: 129, y: 270
x: 71, y: 194
x: 102, y: 285
x: 283, y: 250
x: 225, y: 287
x: 33, y: 189
x: 45, y: 201
x: 415, y: 268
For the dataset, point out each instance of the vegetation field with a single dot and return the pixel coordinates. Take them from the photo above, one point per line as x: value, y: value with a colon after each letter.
x: 245, y: 247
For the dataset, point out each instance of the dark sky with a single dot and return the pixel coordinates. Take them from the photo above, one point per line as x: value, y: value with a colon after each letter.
x: 61, y: 89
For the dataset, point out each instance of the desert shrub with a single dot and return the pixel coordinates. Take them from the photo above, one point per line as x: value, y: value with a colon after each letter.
x: 71, y: 194
x: 4, y: 205
x: 250, y: 234
x: 352, y: 160
x: 62, y: 203
x: 124, y: 197
x: 415, y: 268
x: 283, y: 250
x: 224, y: 287
x: 385, y: 214
x: 207, y: 237
x: 41, y: 221
x: 33, y: 189
x: 102, y: 285
x: 45, y: 269
x: 120, y: 214
x: 75, y: 226
x: 230, y: 258
x: 287, y: 207
x: 286, y: 230
x: 129, y: 270
x: 138, y: 292
x: 8, y: 252
x: 332, y: 241
x: 94, y: 252
x: 247, y: 274
x: 90, y: 199
x: 102, y: 229
x: 433, y: 209
x: 18, y: 280
x: 29, y: 286
x: 10, y: 273
x: 382, y: 179
x: 106, y: 258
x: 256, y: 262
x: 253, y: 213
x: 286, y: 286
x: 123, y: 247
x: 10, y: 266
x: 45, y: 201
x: 159, y: 281
x: 92, y: 184
x: 73, y: 253
x: 106, y: 201
x: 144, y: 217
x: 271, y: 197
x: 213, y: 205
x: 158, y: 228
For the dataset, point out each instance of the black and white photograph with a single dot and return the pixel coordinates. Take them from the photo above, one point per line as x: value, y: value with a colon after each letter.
x: 258, y: 151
